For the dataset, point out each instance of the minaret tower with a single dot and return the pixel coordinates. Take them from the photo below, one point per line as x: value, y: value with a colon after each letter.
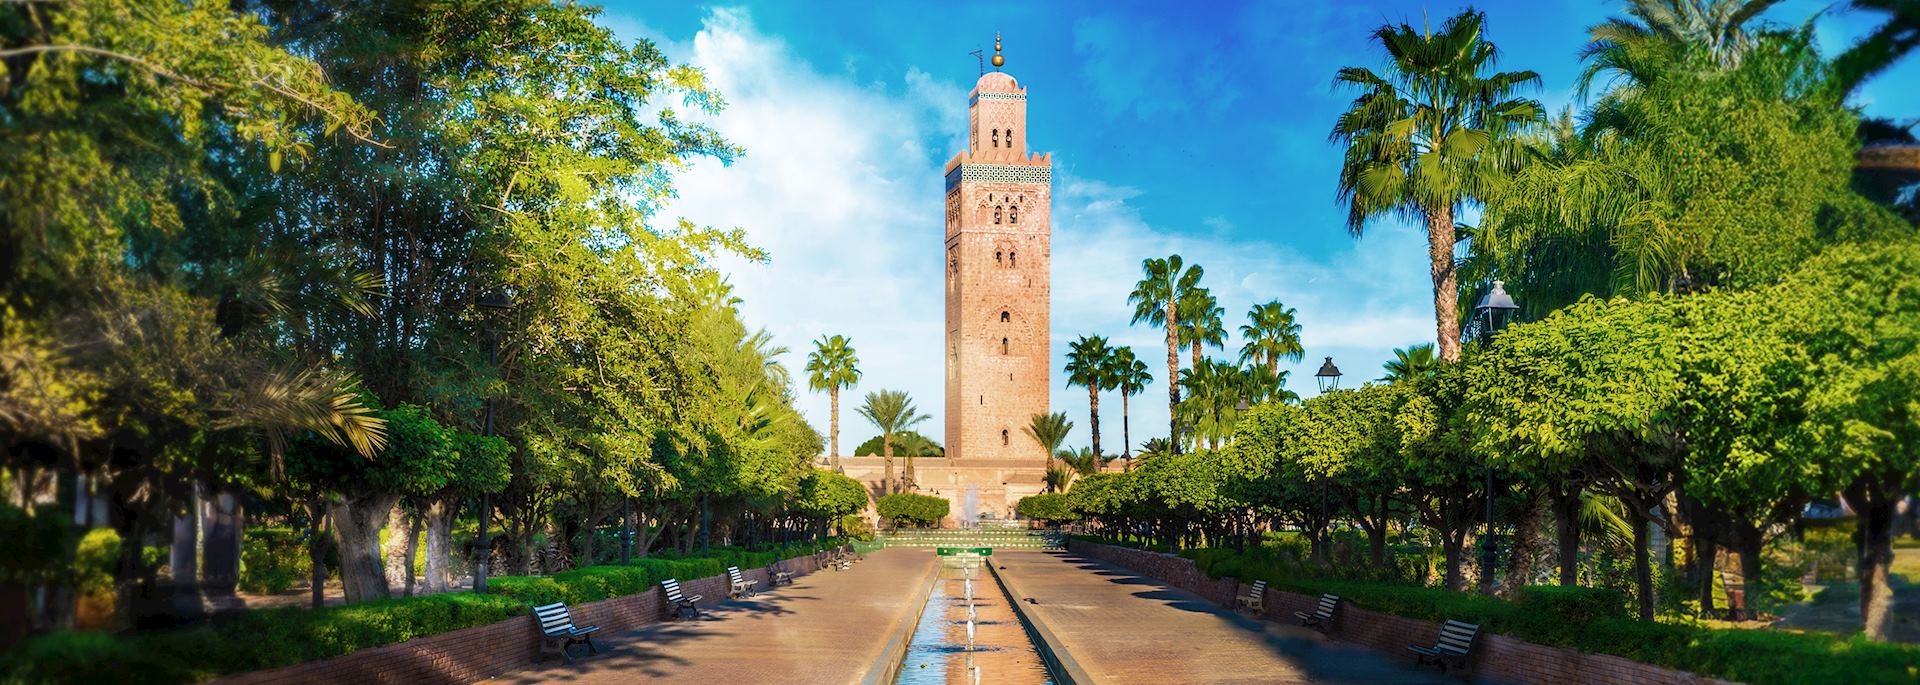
x: 998, y: 228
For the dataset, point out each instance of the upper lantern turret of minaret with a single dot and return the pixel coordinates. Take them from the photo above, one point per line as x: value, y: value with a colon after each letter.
x: 997, y: 119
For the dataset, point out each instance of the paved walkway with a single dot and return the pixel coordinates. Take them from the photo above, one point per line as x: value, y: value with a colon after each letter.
x: 1125, y: 628
x: 828, y: 627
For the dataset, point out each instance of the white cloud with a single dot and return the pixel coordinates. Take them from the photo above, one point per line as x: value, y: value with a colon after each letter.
x: 842, y: 184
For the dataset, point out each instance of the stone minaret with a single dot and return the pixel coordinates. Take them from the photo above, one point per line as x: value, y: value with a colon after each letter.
x: 998, y: 212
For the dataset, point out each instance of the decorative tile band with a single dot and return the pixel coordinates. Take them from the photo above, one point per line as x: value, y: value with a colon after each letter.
x: 992, y: 95
x: 999, y: 173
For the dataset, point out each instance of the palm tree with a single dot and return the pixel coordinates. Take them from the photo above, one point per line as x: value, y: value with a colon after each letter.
x: 1050, y: 430
x: 1082, y: 462
x: 1163, y: 284
x: 1130, y: 376
x: 1429, y: 135
x: 892, y: 412
x: 1263, y: 384
x: 1213, y: 390
x: 1154, y: 447
x: 912, y: 445
x: 831, y: 366
x: 1201, y: 323
x: 1719, y: 26
x: 1090, y: 365
x: 1272, y: 334
x: 1411, y: 362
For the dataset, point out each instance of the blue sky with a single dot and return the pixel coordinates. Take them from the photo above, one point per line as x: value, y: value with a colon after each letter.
x: 1198, y: 128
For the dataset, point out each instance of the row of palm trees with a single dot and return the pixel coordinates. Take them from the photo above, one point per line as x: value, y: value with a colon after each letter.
x: 832, y: 366
x: 1170, y: 296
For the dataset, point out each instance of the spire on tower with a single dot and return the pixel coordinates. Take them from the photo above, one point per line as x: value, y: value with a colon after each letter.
x: 998, y: 61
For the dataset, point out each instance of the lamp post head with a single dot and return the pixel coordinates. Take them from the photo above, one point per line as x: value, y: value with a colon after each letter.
x: 1242, y: 406
x: 496, y: 300
x: 1496, y: 307
x: 1328, y: 376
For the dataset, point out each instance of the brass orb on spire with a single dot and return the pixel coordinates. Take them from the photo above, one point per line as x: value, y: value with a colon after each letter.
x: 998, y: 60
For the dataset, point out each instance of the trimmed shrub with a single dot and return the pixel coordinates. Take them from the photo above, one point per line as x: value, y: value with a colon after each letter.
x: 1050, y: 508
x: 271, y: 559
x: 905, y: 508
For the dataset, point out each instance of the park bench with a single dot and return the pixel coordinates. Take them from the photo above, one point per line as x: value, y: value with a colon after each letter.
x: 1321, y: 618
x: 777, y: 574
x: 1456, y: 638
x: 1255, y: 599
x: 679, y: 603
x: 737, y: 583
x: 557, y: 631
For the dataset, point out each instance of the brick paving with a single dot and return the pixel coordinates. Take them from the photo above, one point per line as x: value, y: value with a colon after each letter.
x: 828, y: 627
x: 1124, y: 628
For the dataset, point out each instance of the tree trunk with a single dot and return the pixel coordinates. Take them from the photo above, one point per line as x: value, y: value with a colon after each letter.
x: 1377, y: 545
x: 356, y: 531
x: 317, y: 550
x: 1093, y: 417
x: 1197, y: 354
x: 220, y: 550
x: 1126, y: 438
x: 1454, y: 546
x: 399, y: 540
x: 886, y: 450
x: 184, y: 556
x: 1446, y: 288
x: 439, y: 529
x: 1526, y: 547
x: 833, y: 423
x: 1642, y: 563
x: 1566, y: 524
x: 412, y: 555
x: 1873, y: 504
x: 1173, y: 369
x: 1703, y: 557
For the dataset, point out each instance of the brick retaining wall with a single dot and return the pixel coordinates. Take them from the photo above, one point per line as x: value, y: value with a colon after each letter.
x: 1496, y: 658
x: 470, y: 654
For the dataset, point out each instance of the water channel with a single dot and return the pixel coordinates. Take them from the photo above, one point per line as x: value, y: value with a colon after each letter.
x: 968, y: 634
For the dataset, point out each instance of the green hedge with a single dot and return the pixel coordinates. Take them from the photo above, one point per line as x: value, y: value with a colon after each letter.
x: 1598, y: 621
x: 905, y: 508
x: 270, y: 638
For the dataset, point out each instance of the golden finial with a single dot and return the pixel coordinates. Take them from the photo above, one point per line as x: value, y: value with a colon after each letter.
x: 998, y: 61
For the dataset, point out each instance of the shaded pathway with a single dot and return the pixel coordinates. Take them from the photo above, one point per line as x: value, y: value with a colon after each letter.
x: 1124, y: 628
x: 827, y: 627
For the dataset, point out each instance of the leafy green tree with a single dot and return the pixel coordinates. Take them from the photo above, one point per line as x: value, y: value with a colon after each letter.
x: 1590, y: 389
x: 825, y: 497
x: 1050, y: 431
x: 891, y: 411
x: 929, y: 448
x: 1271, y: 334
x: 1430, y: 134
x: 1090, y: 364
x: 1164, y: 283
x: 1443, y: 473
x: 833, y: 366
x: 1130, y: 376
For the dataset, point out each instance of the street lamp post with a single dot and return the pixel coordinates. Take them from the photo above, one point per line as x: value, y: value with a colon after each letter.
x: 1495, y: 309
x: 496, y: 302
x: 1328, y: 377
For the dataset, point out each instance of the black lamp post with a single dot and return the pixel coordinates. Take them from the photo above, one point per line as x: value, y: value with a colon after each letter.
x: 496, y: 302
x: 1328, y: 376
x: 1495, y: 309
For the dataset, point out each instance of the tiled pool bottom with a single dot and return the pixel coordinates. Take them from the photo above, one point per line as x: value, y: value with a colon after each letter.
x: 1001, y: 652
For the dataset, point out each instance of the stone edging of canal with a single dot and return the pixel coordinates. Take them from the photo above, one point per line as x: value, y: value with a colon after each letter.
x: 892, y: 657
x: 1065, y: 670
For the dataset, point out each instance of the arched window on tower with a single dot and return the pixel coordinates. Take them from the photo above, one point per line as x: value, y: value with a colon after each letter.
x: 997, y: 257
x: 996, y: 214
x: 1005, y: 317
x: 1013, y: 259
x: 1009, y: 137
x: 1013, y: 214
x: 996, y: 137
x: 1003, y: 346
x: 1003, y: 437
